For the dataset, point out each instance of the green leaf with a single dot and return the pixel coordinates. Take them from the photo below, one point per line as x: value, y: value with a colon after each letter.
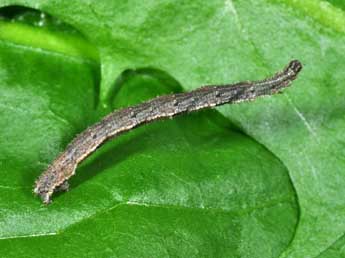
x: 193, y: 186
x: 174, y: 187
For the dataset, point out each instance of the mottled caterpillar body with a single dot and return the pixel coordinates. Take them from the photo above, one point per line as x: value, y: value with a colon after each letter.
x: 63, y: 167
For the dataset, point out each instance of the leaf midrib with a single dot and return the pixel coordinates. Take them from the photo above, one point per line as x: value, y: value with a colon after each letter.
x: 268, y: 204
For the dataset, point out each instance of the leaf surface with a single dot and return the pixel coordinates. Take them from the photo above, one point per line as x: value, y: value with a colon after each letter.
x: 166, y: 181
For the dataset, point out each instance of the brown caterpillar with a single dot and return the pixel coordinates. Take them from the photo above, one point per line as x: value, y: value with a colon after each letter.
x: 63, y: 167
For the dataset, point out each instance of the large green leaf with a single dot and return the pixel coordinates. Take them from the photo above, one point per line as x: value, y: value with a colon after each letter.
x: 188, y: 187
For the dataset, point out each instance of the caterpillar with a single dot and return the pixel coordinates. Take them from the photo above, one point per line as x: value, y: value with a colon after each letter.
x: 56, y: 176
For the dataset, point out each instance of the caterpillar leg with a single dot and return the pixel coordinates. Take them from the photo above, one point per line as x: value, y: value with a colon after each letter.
x: 64, y: 187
